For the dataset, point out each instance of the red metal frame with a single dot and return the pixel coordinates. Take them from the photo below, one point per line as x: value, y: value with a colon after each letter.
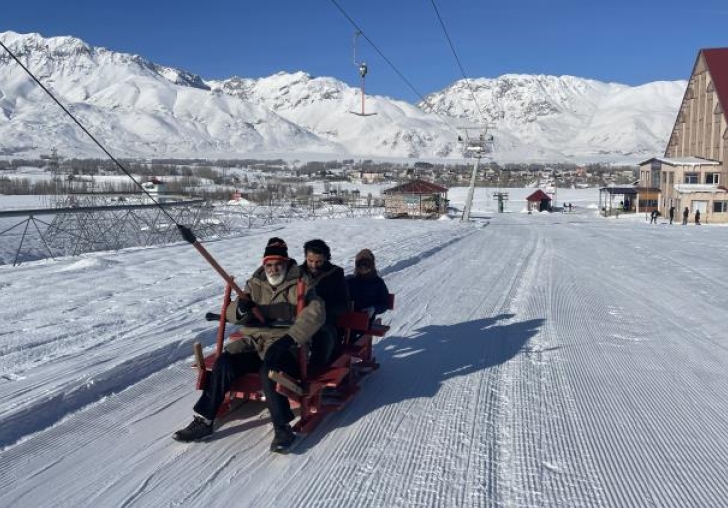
x: 340, y: 378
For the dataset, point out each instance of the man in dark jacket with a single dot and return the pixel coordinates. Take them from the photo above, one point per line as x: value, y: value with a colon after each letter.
x: 329, y: 283
x: 273, y: 290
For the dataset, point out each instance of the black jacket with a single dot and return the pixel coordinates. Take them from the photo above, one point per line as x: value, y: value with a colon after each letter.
x: 330, y: 285
x: 370, y: 291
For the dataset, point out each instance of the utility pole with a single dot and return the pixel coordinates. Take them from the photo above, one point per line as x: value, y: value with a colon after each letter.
x: 471, y: 189
x: 477, y: 147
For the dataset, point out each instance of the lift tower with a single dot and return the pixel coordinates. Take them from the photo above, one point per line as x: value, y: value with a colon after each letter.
x: 475, y: 147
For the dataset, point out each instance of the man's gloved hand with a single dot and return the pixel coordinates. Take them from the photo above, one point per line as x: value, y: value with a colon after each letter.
x: 243, y: 308
x: 277, y: 351
x: 238, y: 347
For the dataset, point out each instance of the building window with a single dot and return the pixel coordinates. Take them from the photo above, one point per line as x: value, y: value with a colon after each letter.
x: 691, y: 178
x: 720, y: 206
x: 655, y: 178
x: 713, y: 178
x: 648, y: 203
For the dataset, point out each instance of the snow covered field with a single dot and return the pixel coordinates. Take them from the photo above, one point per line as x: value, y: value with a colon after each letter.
x: 533, y: 360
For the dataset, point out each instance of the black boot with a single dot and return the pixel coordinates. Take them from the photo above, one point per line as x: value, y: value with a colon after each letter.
x: 198, y: 430
x: 283, y: 439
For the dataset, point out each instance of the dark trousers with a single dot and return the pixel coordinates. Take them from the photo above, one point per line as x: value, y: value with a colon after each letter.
x: 229, y: 367
x: 323, y: 344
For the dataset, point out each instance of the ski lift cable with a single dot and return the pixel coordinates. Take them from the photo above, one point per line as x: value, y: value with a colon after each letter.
x: 81, y: 126
x: 185, y: 231
x: 356, y: 34
x: 457, y: 59
x: 394, y: 67
x: 479, y: 146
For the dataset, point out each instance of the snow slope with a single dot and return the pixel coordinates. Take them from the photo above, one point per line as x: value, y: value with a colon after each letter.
x: 533, y: 360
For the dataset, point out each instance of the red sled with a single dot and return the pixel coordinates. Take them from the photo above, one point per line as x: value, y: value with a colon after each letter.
x: 318, y: 393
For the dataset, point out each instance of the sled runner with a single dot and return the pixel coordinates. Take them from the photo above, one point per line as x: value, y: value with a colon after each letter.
x: 317, y: 393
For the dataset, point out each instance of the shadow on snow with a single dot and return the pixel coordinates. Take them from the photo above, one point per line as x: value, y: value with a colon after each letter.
x: 418, y: 366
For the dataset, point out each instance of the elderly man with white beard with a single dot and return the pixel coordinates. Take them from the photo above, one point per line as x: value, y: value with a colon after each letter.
x: 267, y: 346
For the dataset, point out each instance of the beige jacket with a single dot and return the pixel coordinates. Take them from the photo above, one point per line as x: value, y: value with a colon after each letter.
x: 277, y: 304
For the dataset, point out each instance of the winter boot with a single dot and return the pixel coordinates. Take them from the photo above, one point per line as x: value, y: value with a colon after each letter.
x: 283, y: 439
x: 199, y: 429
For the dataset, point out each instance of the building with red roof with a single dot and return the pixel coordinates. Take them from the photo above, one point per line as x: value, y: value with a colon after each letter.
x: 700, y: 127
x: 415, y: 199
x: 693, y: 172
x: 539, y: 201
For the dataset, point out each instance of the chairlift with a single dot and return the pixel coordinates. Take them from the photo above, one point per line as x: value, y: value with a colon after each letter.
x: 363, y: 69
x: 477, y: 146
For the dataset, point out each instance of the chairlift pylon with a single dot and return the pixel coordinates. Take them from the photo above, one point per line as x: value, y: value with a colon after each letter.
x: 476, y: 147
x: 363, y: 69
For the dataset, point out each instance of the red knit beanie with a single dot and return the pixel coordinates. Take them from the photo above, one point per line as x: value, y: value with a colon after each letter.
x: 275, y: 250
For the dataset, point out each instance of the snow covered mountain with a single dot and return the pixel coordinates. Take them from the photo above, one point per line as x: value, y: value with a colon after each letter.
x: 568, y: 118
x: 140, y: 109
x: 325, y: 105
x: 134, y: 107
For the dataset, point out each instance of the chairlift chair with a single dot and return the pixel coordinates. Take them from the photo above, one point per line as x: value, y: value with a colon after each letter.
x: 363, y: 69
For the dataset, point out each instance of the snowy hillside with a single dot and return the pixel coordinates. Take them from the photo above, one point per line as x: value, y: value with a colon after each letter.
x: 567, y: 117
x: 134, y: 107
x: 324, y: 106
x: 141, y: 109
x: 533, y: 360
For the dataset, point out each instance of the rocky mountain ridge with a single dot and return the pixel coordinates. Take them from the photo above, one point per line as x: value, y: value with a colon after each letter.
x: 137, y: 108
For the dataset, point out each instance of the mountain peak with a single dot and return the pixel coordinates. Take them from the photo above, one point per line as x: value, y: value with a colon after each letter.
x: 147, y: 109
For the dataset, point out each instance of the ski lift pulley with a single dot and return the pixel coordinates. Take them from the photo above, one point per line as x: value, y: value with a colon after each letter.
x: 363, y: 69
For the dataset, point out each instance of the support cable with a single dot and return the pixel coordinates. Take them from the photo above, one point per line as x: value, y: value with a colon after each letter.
x: 394, y: 67
x: 185, y: 231
x: 479, y: 146
x: 457, y: 59
x: 81, y: 126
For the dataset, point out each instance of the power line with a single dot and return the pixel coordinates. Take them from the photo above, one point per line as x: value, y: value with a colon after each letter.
x: 457, y: 59
x: 394, y: 67
x: 184, y: 231
x: 81, y: 126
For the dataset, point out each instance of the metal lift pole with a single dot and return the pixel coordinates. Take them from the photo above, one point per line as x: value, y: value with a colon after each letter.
x: 363, y: 69
x: 363, y: 72
x: 471, y: 190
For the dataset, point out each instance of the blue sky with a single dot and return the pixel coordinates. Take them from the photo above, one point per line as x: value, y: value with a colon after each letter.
x: 630, y: 42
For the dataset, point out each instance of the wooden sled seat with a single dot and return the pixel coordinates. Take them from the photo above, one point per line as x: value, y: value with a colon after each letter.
x: 318, y: 392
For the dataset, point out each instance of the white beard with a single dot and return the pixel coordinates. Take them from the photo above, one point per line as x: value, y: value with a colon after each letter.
x: 276, y: 280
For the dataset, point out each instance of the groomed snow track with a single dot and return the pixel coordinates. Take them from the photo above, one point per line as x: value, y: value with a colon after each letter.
x: 538, y: 361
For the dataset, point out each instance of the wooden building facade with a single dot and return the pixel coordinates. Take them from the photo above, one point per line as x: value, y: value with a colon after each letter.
x: 417, y: 199
x: 693, y: 172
